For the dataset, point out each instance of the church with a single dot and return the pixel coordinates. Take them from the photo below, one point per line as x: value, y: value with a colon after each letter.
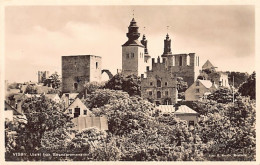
x: 158, y: 79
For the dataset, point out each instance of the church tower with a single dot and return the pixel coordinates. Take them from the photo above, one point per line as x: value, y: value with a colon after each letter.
x: 167, y: 52
x: 133, y: 57
x: 147, y: 57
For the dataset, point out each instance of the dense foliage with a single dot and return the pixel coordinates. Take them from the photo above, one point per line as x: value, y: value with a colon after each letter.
x: 248, y: 87
x: 130, y: 84
x: 47, y: 126
x: 53, y: 81
x: 136, y: 130
x: 239, y: 78
x: 223, y: 95
x: 228, y: 130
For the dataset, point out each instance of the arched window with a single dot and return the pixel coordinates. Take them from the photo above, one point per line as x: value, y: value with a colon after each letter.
x: 96, y: 65
x: 158, y: 94
x: 159, y: 84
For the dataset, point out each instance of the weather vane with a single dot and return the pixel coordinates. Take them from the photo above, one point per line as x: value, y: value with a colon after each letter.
x: 144, y: 28
x: 133, y: 13
x: 167, y: 28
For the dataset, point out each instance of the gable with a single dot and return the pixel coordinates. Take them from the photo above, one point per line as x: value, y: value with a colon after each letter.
x: 207, y: 64
x: 77, y: 103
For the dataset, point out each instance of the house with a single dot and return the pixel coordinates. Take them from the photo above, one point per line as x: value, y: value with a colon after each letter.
x: 78, y: 109
x: 11, y: 114
x: 53, y: 97
x: 199, y: 90
x: 68, y: 98
x: 182, y: 112
x: 84, y: 122
x: 185, y: 113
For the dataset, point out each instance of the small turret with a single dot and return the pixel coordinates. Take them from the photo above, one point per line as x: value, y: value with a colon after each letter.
x: 167, y: 46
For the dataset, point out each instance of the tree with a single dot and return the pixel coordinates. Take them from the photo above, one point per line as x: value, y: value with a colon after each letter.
x: 102, y: 97
x: 248, y: 87
x: 130, y: 84
x: 181, y: 85
x: 91, y: 87
x: 239, y: 78
x: 223, y: 95
x: 53, y: 81
x: 45, y: 122
x: 228, y: 131
x: 30, y: 89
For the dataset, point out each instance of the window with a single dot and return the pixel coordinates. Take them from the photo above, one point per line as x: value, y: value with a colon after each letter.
x: 85, y: 112
x: 70, y: 111
x: 76, y: 112
x: 127, y: 55
x: 158, y: 94
x: 197, y: 90
x: 133, y: 55
x: 191, y: 123
x: 76, y: 86
x: 197, y: 83
x: 188, y: 60
x: 157, y: 103
x: 159, y: 83
x: 150, y: 93
x: 166, y: 93
x: 166, y: 83
x: 180, y: 62
x: 151, y: 83
x: 96, y: 65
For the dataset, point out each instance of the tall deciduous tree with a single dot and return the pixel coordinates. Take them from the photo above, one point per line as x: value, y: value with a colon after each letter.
x: 130, y: 84
x: 248, y: 88
x: 45, y: 122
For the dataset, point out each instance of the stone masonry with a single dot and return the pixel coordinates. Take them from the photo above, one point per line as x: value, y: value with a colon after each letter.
x: 77, y: 70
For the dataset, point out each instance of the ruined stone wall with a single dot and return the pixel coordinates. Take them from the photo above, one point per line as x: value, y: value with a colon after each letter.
x: 78, y: 70
x: 185, y: 66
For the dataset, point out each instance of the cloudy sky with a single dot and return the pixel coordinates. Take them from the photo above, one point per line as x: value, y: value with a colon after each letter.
x: 37, y: 36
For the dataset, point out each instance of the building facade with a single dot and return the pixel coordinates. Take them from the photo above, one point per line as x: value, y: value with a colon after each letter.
x: 159, y: 85
x: 78, y: 70
x: 199, y: 90
x: 78, y: 109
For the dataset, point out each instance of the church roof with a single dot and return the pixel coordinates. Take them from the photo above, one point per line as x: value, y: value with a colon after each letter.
x: 207, y: 65
x: 133, y: 43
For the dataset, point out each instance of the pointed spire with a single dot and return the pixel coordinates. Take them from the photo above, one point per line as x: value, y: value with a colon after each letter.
x: 144, y: 42
x: 167, y: 46
x: 133, y: 34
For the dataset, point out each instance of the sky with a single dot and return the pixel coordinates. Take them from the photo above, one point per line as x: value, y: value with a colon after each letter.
x: 37, y: 36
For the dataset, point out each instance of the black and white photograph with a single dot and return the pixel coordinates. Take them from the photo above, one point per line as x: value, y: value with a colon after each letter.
x: 129, y: 83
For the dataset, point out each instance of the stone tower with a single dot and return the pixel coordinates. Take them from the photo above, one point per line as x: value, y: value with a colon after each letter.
x: 147, y: 57
x: 42, y: 75
x: 181, y: 65
x: 133, y: 56
x: 78, y: 70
